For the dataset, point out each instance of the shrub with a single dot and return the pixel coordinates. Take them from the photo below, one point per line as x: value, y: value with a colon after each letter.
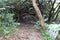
x: 7, y: 23
x: 52, y: 30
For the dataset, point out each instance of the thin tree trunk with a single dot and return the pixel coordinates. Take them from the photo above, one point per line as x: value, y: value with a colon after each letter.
x: 38, y: 12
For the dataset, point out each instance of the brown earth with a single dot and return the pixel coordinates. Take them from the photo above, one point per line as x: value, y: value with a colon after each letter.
x: 27, y: 32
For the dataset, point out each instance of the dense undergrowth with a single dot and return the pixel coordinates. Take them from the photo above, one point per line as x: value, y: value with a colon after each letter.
x: 51, y: 32
x: 7, y: 23
x: 49, y: 12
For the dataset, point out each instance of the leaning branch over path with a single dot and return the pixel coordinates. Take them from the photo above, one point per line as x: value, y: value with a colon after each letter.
x: 38, y: 12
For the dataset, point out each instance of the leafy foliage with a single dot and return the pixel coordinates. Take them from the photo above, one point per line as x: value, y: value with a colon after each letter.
x: 45, y: 35
x: 7, y: 23
x: 37, y: 25
x: 52, y: 30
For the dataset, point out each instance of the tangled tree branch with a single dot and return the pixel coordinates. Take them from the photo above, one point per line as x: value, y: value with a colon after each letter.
x: 38, y: 12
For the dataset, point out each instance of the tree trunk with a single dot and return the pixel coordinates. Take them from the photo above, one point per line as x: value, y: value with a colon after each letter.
x: 38, y: 12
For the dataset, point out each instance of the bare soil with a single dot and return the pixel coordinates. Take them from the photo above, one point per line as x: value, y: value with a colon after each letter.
x: 26, y: 32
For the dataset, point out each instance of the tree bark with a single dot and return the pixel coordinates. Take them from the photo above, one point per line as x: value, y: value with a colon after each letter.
x: 38, y: 12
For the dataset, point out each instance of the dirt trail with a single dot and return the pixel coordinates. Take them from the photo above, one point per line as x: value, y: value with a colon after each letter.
x: 28, y: 32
